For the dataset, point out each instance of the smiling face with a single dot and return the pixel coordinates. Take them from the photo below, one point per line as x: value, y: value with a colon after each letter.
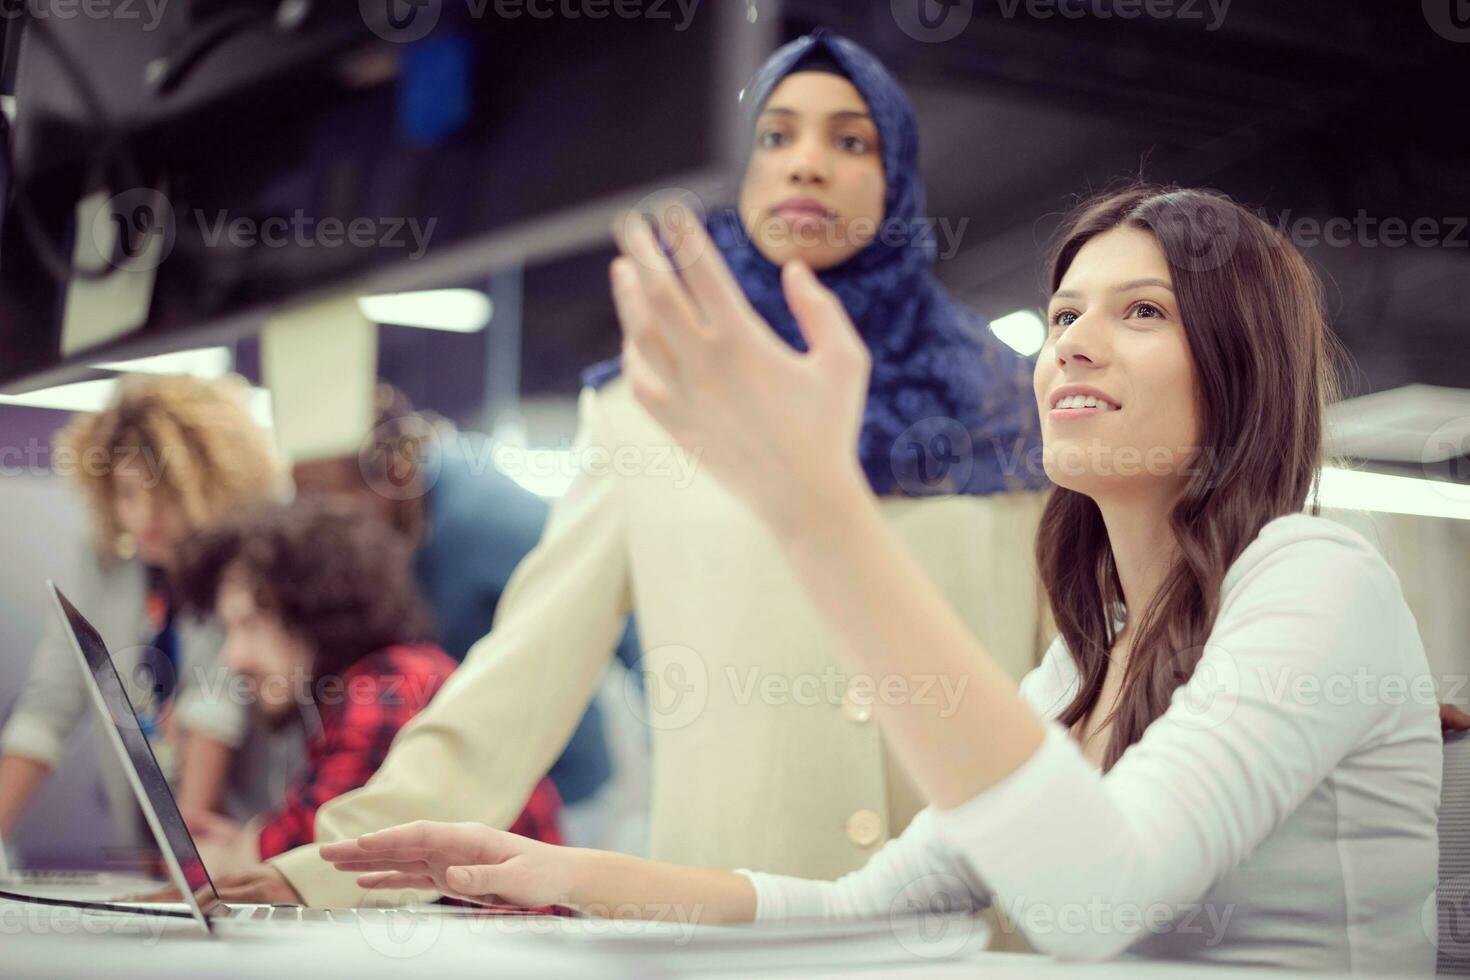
x: 1115, y: 382
x: 814, y: 186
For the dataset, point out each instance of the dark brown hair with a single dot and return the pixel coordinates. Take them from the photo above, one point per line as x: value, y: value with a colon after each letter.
x: 387, y: 471
x: 1252, y: 315
x: 333, y: 575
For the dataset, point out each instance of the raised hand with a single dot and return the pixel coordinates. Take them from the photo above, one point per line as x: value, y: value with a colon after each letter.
x: 470, y: 861
x: 778, y: 427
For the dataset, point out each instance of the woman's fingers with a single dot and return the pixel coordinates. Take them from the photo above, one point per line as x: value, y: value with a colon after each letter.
x: 820, y: 314
x: 397, y: 879
x: 382, y: 864
x: 343, y: 850
x: 672, y: 315
x: 351, y: 850
x: 651, y: 390
x: 634, y: 315
x: 649, y: 364
x: 419, y: 835
x: 636, y: 240
x: 477, y: 879
x: 455, y: 843
x: 424, y: 835
x: 708, y: 278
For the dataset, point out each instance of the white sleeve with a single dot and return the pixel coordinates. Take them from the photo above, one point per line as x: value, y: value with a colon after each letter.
x: 914, y: 872
x: 1229, y: 760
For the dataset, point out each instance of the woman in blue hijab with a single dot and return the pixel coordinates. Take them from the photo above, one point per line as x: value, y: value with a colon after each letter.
x: 832, y: 179
x: 766, y: 752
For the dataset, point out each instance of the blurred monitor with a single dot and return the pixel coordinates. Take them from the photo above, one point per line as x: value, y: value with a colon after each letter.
x: 177, y: 176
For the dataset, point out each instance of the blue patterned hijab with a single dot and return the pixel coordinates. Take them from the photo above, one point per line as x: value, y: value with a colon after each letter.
x: 950, y: 408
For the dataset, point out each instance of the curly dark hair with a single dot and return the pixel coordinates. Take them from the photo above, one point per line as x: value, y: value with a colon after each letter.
x: 333, y: 575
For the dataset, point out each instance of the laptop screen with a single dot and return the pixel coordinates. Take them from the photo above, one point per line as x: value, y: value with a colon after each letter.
x: 150, y: 781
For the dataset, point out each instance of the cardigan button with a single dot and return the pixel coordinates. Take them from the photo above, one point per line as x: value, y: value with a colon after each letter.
x: 855, y: 711
x: 864, y: 828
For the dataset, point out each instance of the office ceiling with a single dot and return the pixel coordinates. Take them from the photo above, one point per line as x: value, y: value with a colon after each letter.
x: 1309, y: 111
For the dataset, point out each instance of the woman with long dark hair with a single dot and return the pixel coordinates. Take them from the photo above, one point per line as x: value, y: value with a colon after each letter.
x: 1231, y: 753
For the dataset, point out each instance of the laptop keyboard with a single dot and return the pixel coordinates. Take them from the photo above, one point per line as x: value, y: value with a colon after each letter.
x: 53, y: 877
x: 301, y: 913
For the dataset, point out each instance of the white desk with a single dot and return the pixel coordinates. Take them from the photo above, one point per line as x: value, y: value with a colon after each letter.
x: 44, y: 942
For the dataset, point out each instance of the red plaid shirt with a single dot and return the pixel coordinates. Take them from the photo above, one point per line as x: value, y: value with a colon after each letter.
x: 360, y: 718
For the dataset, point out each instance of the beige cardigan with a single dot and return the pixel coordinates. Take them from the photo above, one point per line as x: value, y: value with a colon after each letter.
x: 761, y: 757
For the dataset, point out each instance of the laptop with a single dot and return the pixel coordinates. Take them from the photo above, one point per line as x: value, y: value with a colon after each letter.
x: 180, y: 855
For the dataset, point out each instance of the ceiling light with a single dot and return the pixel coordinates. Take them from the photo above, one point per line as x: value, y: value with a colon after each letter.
x: 455, y: 310
x: 94, y: 396
x: 80, y: 396
x: 202, y: 362
x: 1022, y: 331
x: 1360, y: 490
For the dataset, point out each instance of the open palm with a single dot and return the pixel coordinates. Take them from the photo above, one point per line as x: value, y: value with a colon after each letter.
x: 775, y: 425
x: 471, y: 861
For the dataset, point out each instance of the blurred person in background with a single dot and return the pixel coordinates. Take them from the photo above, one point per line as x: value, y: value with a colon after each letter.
x: 323, y: 623
x: 470, y: 525
x: 167, y: 456
x: 744, y: 775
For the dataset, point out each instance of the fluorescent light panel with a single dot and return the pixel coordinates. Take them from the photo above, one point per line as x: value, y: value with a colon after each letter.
x: 454, y: 310
x: 1359, y: 490
x: 93, y: 396
x: 201, y: 362
x: 81, y: 396
x: 1021, y: 331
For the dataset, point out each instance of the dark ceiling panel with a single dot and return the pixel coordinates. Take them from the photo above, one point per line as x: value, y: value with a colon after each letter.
x: 1309, y: 111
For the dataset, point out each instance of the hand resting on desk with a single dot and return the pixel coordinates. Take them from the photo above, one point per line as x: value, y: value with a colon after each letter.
x: 468, y: 861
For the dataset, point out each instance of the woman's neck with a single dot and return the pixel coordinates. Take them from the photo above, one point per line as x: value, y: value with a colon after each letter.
x: 1142, y: 543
